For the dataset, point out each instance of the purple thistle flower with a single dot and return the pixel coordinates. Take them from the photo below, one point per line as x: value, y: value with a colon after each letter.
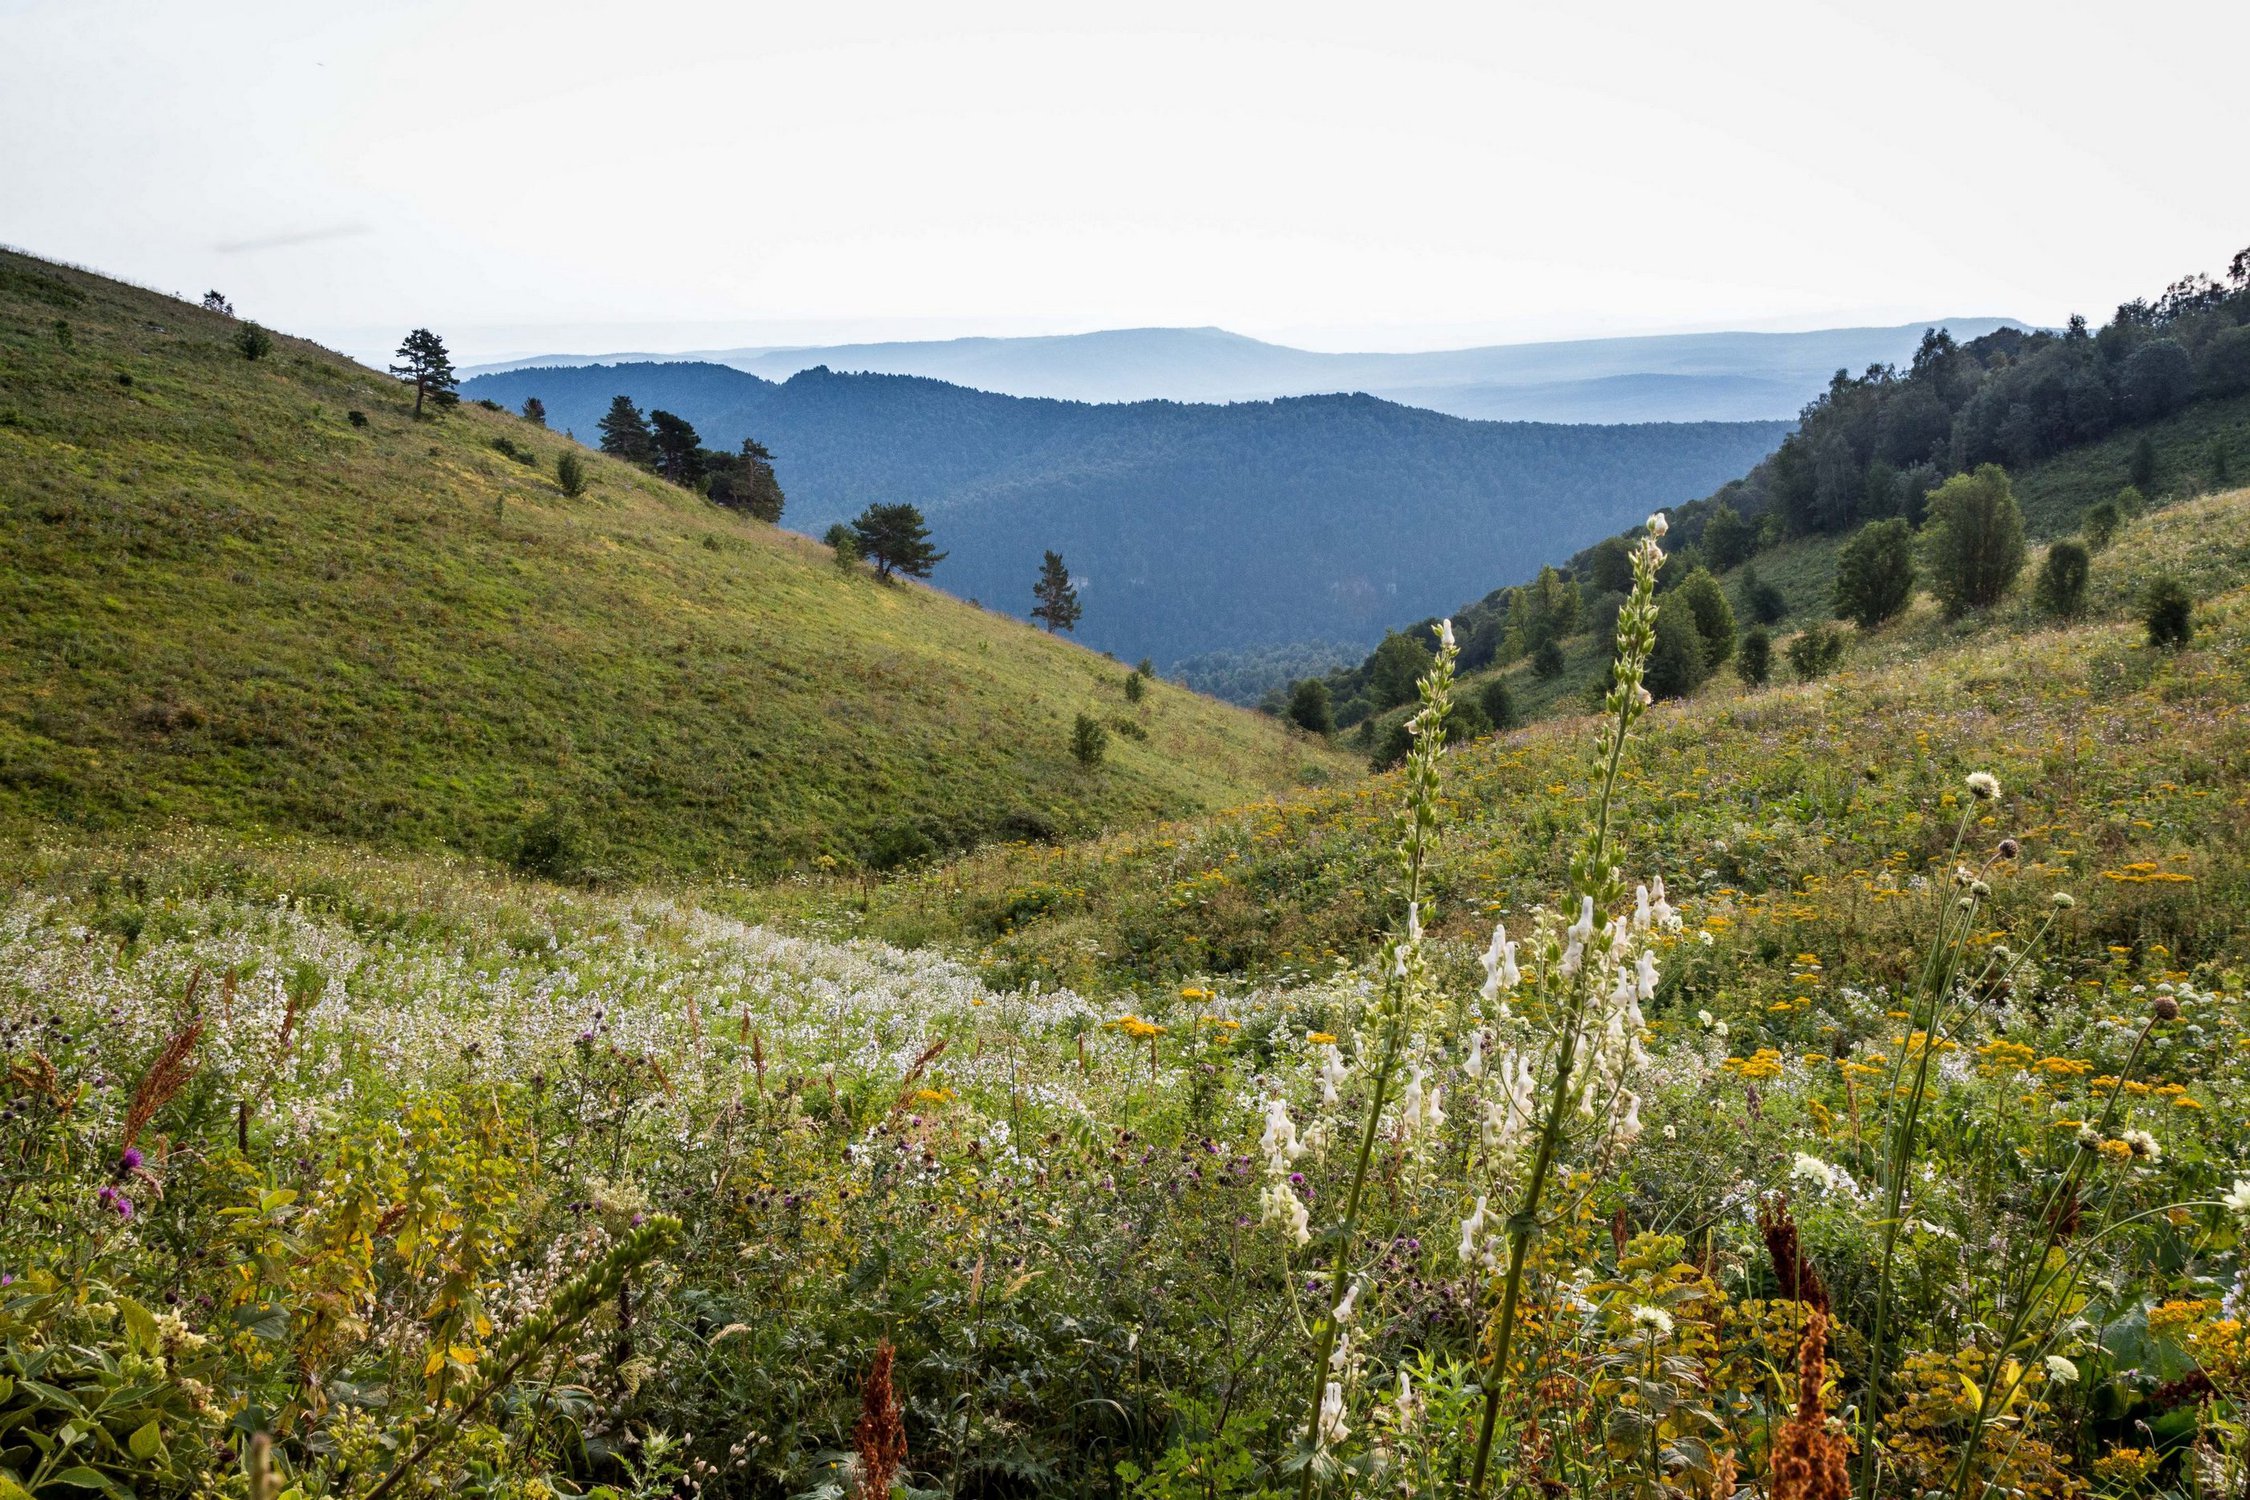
x: 130, y: 1162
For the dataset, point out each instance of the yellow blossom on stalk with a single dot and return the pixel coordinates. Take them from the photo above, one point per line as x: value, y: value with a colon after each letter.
x: 1138, y: 1029
x: 1320, y: 1038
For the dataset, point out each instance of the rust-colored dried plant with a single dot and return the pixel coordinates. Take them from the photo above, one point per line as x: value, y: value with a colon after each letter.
x: 880, y: 1435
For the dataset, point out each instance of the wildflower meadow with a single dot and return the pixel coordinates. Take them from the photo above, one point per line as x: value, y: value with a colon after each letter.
x: 1614, y: 1174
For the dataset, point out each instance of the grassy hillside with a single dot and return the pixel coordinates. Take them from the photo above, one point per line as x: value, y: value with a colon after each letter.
x: 2114, y: 753
x: 300, y: 1136
x: 1194, y: 528
x: 259, y: 595
x: 2055, y: 495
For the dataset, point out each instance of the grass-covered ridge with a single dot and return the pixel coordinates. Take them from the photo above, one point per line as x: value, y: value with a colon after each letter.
x: 224, y: 601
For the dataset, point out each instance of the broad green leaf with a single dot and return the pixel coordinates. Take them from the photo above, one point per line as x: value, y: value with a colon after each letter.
x: 140, y: 1325
x: 147, y: 1441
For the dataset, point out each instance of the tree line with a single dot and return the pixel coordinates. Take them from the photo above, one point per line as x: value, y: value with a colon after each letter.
x: 1913, y: 461
x: 668, y: 446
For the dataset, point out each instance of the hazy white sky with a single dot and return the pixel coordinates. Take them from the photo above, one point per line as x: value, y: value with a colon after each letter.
x: 664, y: 174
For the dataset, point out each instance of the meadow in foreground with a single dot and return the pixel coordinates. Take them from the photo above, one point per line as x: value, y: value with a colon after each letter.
x: 335, y: 1177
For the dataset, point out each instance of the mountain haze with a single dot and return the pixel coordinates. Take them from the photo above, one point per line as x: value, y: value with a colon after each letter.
x: 1694, y: 377
x: 1190, y: 528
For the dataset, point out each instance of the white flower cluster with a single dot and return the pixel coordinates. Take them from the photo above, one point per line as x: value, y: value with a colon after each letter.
x: 1281, y: 1148
x: 1343, y: 1360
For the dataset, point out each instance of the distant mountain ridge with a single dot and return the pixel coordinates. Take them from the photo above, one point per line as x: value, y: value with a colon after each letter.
x: 1189, y: 527
x: 1695, y: 377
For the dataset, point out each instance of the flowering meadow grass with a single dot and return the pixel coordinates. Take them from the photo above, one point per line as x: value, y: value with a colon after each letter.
x: 1835, y: 1091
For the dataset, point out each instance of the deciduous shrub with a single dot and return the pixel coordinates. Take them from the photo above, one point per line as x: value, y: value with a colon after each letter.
x: 1089, y: 741
x: 1975, y: 536
x: 2168, y: 612
x: 1754, y: 662
x: 1815, y: 652
x: 2062, y: 580
x: 1875, y: 574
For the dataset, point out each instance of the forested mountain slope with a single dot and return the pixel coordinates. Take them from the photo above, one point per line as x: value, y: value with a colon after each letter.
x: 1190, y: 528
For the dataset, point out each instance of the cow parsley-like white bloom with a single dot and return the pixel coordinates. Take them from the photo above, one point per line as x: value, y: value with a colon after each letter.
x: 2061, y: 1371
x: 1983, y: 785
x: 2237, y: 1199
x: 1654, y: 1319
x: 1813, y: 1172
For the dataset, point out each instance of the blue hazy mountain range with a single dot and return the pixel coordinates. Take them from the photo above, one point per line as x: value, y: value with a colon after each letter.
x: 1692, y: 377
x: 1190, y: 527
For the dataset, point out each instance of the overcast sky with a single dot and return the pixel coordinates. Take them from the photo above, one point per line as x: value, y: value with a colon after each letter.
x: 566, y: 176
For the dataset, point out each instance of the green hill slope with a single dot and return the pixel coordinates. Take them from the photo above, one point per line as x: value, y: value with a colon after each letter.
x: 225, y: 599
x: 2055, y: 495
x: 2119, y: 760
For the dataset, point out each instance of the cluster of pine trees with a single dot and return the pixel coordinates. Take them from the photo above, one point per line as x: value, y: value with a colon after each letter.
x: 667, y: 445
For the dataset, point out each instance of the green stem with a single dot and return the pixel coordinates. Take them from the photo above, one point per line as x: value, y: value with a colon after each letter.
x: 1936, y: 974
x: 1593, y: 880
x: 1423, y: 776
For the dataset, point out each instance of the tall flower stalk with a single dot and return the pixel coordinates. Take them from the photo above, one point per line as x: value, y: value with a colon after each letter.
x: 1570, y: 968
x: 1404, y: 978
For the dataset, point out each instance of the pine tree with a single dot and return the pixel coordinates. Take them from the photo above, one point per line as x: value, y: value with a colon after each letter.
x: 893, y: 538
x: 677, y: 449
x: 422, y: 359
x: 535, y: 410
x: 625, y: 433
x: 750, y: 483
x: 1058, y: 607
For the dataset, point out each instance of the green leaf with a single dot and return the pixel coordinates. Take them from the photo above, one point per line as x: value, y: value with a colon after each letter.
x: 146, y: 1442
x: 10, y: 1490
x: 140, y: 1326
x: 270, y: 1322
